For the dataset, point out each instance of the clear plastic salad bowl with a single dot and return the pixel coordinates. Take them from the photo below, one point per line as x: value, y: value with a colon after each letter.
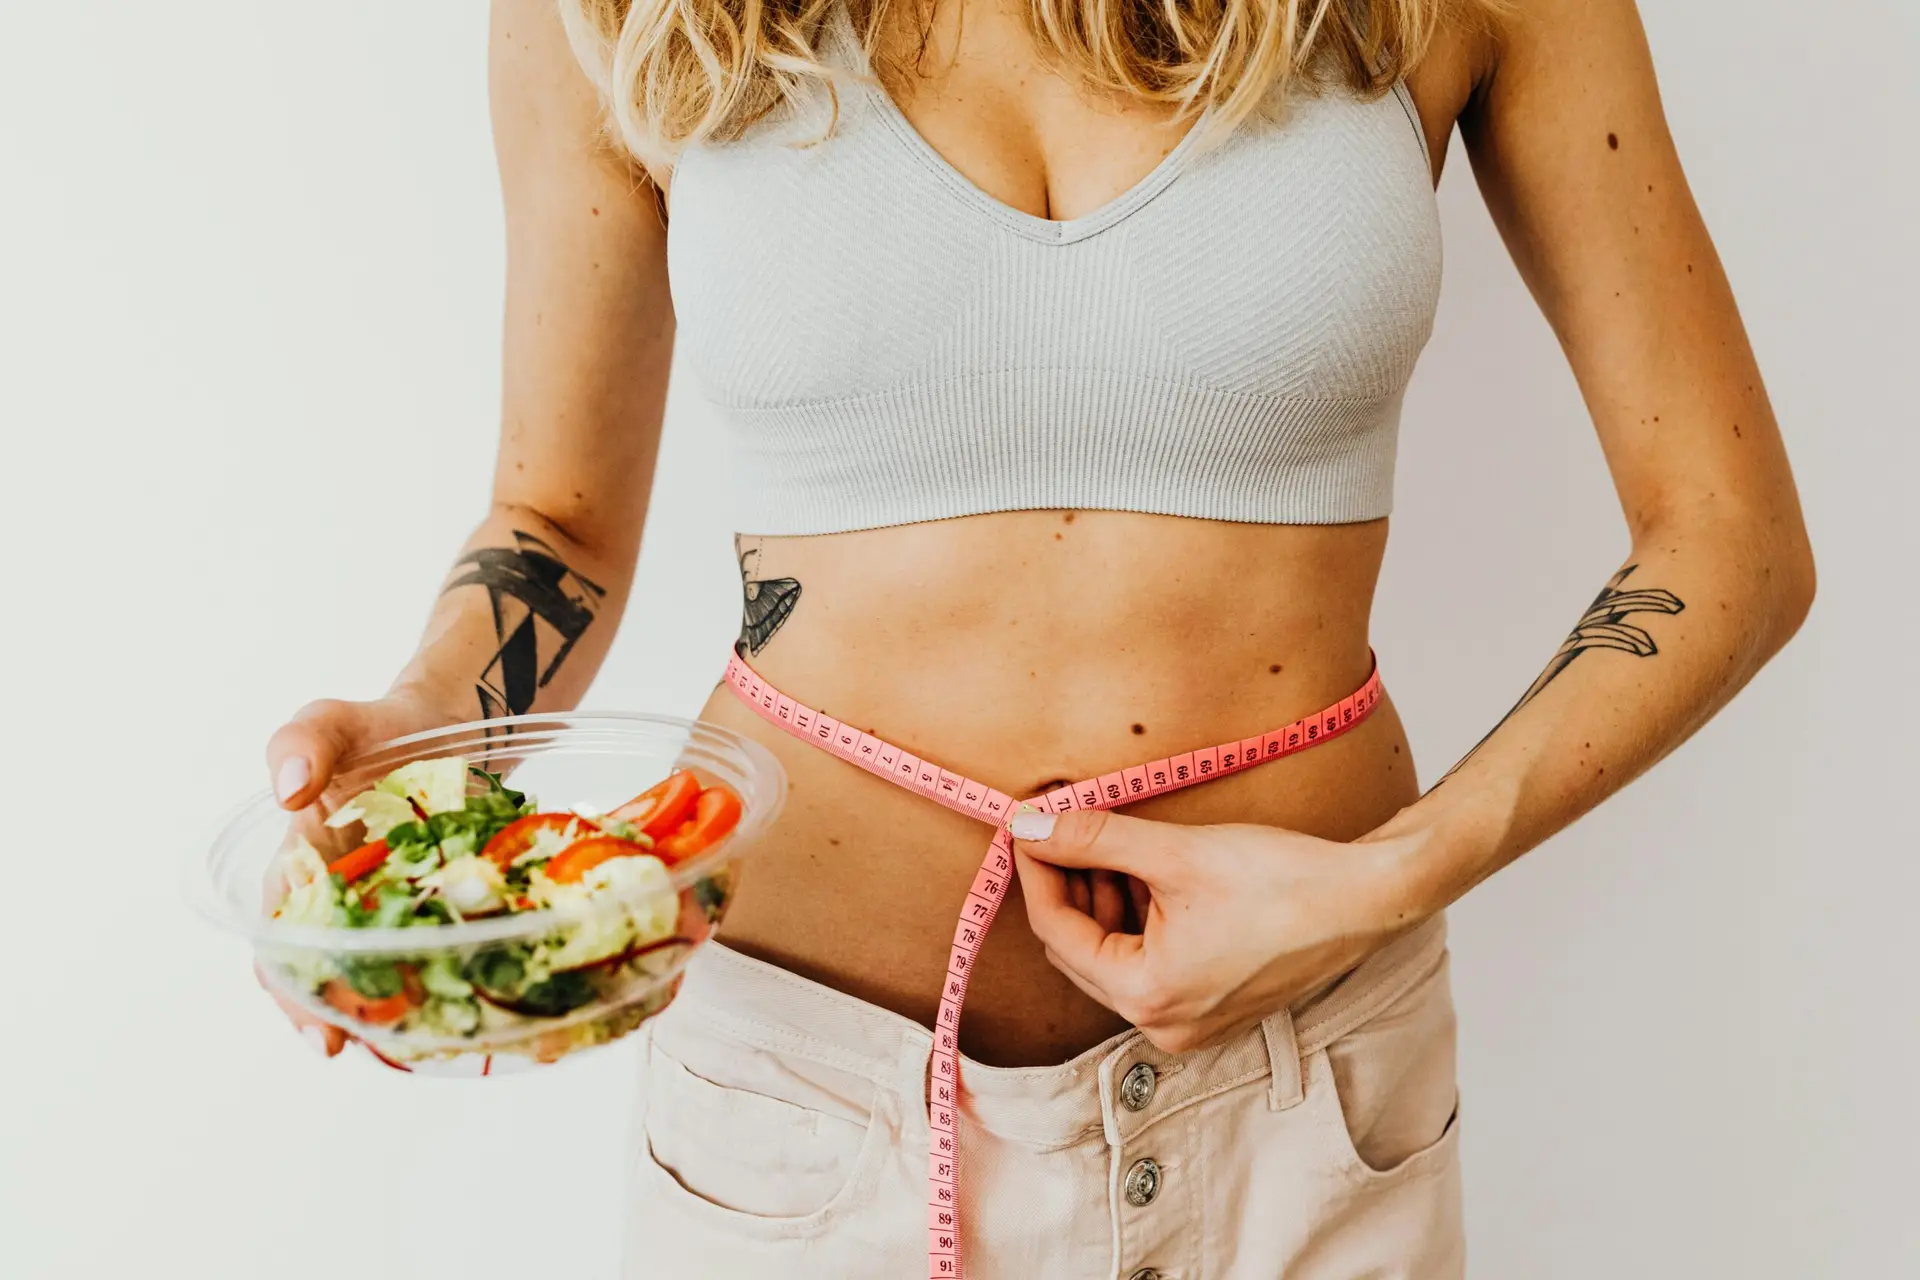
x: 586, y: 762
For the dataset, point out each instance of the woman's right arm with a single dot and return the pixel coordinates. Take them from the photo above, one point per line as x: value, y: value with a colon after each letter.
x: 530, y: 607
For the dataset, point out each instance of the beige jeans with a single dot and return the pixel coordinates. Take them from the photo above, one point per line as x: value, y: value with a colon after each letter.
x: 783, y: 1134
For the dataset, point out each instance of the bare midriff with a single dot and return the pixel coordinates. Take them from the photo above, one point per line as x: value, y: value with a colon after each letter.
x: 1027, y: 649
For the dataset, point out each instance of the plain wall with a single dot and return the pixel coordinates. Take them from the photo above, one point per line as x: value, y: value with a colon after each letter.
x: 250, y: 283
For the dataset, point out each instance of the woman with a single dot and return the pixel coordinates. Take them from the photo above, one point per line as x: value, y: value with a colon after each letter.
x: 1064, y: 344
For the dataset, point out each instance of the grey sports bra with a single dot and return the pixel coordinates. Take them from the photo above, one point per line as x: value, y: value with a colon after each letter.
x: 1231, y: 338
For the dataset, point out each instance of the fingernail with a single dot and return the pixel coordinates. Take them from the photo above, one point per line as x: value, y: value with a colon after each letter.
x: 292, y: 777
x: 1031, y: 824
x: 316, y: 1039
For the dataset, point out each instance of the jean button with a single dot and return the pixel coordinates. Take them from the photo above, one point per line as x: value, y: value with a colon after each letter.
x: 1145, y: 1273
x: 1143, y: 1183
x: 1137, y: 1086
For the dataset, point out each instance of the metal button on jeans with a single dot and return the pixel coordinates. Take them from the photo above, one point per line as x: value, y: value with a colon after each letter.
x: 1143, y: 1183
x: 1137, y: 1086
x: 1145, y: 1273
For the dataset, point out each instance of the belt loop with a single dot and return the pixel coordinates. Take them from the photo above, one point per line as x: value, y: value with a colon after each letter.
x: 1283, y: 1056
x: 1104, y: 1081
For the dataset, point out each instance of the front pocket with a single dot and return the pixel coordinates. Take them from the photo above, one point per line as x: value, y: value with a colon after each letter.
x: 1391, y: 1083
x: 750, y: 1161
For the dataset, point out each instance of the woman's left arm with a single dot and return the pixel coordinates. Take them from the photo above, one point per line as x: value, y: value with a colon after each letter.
x: 1572, y: 152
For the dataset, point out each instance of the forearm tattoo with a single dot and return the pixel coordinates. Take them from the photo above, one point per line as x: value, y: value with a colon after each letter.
x: 1603, y: 626
x: 766, y: 603
x: 541, y: 608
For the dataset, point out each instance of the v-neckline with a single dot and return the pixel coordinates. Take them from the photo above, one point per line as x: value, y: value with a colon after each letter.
x: 1019, y: 221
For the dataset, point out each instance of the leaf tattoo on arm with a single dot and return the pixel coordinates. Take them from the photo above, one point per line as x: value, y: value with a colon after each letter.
x: 541, y: 607
x: 766, y: 603
x: 1603, y: 626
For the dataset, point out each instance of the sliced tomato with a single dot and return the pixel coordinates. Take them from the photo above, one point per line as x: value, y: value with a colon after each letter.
x: 715, y: 814
x: 340, y: 994
x: 661, y: 808
x: 518, y: 836
x: 352, y: 866
x: 583, y: 856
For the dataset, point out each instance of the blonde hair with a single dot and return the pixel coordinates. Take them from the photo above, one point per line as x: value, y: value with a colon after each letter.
x: 677, y: 72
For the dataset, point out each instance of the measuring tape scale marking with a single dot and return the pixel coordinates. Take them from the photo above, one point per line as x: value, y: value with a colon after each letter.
x: 979, y: 801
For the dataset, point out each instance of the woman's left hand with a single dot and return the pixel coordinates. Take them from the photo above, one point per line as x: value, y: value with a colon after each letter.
x: 1236, y: 920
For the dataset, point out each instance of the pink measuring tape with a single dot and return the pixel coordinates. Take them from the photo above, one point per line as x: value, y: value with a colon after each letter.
x: 977, y: 800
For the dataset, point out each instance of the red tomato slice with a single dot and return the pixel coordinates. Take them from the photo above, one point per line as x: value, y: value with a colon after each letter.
x: 713, y: 816
x: 584, y: 855
x: 661, y: 808
x: 340, y: 994
x: 518, y: 836
x: 352, y: 866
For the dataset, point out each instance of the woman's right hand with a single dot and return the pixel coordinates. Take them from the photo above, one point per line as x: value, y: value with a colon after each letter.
x: 302, y: 757
x: 304, y: 752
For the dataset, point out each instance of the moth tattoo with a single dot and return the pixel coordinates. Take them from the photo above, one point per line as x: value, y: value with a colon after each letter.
x: 766, y: 603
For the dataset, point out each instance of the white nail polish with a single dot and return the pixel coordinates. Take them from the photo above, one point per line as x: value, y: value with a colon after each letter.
x: 316, y: 1039
x: 1031, y: 824
x: 293, y: 775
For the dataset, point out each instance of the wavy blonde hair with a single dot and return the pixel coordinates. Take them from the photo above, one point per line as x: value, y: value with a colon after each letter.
x: 677, y: 72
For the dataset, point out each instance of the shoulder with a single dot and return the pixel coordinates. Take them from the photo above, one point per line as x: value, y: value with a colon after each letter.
x: 1532, y: 52
x: 1555, y: 48
x: 1459, y: 59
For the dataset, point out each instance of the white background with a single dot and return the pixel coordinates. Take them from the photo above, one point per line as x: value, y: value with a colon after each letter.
x: 250, y: 277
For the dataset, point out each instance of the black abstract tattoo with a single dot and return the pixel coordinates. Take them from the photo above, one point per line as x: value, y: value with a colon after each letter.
x: 1603, y: 626
x: 540, y: 606
x: 766, y: 602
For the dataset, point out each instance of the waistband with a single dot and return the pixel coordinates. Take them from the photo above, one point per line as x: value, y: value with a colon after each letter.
x: 751, y: 1002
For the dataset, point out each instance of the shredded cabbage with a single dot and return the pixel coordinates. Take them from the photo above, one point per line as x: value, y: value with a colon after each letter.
x: 312, y: 897
x: 547, y: 842
x: 381, y: 811
x: 438, y: 786
x: 301, y: 863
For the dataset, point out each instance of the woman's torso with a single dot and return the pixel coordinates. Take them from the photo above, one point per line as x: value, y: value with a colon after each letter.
x: 1028, y: 647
